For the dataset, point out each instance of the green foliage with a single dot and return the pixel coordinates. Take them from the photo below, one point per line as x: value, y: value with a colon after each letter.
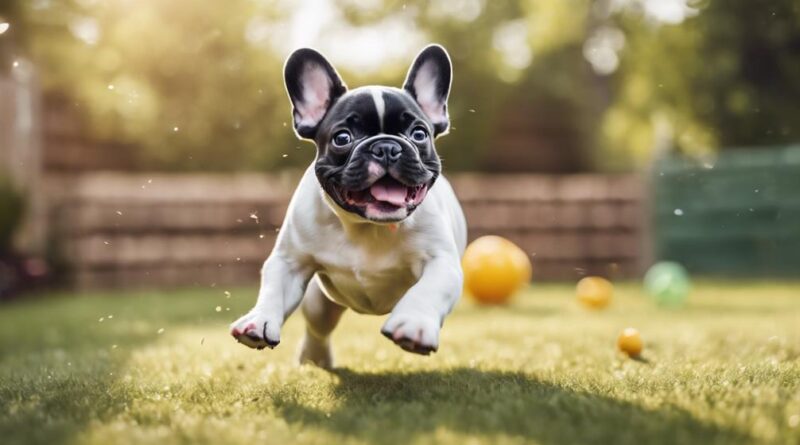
x: 189, y: 66
x: 493, y: 80
x: 177, y: 77
x: 155, y: 367
x: 198, y: 84
x: 755, y: 84
x: 728, y: 77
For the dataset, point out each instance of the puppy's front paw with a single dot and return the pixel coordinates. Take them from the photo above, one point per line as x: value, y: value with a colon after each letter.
x: 413, y: 332
x: 257, y: 330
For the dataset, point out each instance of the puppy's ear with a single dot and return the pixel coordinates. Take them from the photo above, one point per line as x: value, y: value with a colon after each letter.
x: 428, y: 81
x: 313, y: 86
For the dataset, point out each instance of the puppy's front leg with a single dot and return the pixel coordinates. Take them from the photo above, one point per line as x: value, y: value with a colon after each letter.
x: 283, y: 283
x: 415, y: 321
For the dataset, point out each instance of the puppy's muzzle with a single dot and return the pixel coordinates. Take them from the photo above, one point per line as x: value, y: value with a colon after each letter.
x: 386, y: 151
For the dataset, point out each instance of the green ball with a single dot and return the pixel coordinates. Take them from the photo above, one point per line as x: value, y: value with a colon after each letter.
x: 667, y: 283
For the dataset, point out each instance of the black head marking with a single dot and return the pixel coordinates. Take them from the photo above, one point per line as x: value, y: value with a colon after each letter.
x: 375, y: 151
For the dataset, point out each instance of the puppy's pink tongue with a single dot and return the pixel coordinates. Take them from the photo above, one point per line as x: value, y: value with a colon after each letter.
x: 390, y: 192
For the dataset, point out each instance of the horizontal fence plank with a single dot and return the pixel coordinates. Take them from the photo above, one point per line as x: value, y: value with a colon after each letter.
x: 571, y: 188
x: 192, y: 216
x: 134, y: 250
x: 165, y: 187
x: 554, y: 216
x: 170, y: 275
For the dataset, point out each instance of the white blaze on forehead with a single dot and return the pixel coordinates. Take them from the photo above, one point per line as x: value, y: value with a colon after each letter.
x: 380, y: 105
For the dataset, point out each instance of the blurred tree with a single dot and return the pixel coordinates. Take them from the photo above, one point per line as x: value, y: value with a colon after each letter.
x: 514, y: 60
x: 179, y: 78
x: 754, y: 50
x: 727, y: 77
x: 696, y: 76
x: 198, y: 84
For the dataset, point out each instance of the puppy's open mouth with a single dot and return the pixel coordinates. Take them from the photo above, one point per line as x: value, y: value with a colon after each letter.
x: 387, y: 194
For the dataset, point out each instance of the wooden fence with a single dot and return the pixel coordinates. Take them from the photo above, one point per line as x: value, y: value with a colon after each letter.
x: 145, y: 230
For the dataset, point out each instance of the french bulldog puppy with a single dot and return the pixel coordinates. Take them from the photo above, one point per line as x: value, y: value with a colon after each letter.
x: 372, y: 226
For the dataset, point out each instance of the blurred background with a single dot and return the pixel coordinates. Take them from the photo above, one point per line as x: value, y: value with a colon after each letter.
x: 148, y: 143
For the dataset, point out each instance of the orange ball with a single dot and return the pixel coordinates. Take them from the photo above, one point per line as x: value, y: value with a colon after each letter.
x: 594, y: 292
x: 494, y: 268
x: 630, y: 342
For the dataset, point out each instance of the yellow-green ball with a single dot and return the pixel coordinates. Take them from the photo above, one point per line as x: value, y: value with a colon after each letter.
x: 668, y: 283
x: 494, y: 269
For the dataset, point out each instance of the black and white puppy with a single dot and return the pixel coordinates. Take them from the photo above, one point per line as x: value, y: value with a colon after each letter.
x: 372, y: 226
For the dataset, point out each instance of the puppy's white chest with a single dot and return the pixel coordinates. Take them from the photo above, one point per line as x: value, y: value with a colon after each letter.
x: 368, y: 279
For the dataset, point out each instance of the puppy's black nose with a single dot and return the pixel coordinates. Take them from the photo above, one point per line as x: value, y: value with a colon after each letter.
x: 386, y: 151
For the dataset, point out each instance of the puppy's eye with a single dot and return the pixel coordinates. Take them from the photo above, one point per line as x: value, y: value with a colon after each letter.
x: 342, y: 138
x: 419, y: 134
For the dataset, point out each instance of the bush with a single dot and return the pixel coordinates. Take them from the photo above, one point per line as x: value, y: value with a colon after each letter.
x: 12, y: 207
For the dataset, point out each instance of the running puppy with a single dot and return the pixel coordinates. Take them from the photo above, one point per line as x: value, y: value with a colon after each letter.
x: 372, y: 226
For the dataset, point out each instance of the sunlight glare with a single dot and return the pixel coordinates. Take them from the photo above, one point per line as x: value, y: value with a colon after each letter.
x: 320, y: 24
x: 511, y: 41
x: 460, y: 10
x: 602, y: 48
x: 85, y: 29
x: 664, y: 11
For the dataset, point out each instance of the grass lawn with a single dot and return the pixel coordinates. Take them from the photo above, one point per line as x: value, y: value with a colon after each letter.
x: 160, y: 368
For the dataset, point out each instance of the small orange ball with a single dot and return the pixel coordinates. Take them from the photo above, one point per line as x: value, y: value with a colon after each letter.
x: 494, y: 268
x: 630, y: 342
x: 594, y: 292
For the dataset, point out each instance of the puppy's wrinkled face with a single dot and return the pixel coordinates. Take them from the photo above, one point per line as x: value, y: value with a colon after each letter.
x: 375, y: 152
x: 376, y: 156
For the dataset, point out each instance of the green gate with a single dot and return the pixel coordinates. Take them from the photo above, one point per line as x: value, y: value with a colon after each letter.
x: 735, y: 215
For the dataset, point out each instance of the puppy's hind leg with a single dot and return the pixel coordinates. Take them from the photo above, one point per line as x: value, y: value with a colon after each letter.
x: 322, y: 315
